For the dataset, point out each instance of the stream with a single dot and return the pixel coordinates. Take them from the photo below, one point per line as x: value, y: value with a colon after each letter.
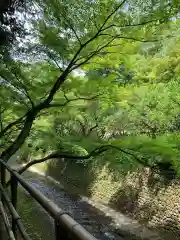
x: 99, y: 219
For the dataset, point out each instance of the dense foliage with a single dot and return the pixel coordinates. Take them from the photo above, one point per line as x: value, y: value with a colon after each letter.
x: 94, y: 80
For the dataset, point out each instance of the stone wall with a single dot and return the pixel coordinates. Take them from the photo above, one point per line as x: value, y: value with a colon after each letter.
x: 142, y: 195
x: 145, y: 197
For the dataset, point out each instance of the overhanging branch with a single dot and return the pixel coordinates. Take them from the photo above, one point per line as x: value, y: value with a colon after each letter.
x: 93, y: 153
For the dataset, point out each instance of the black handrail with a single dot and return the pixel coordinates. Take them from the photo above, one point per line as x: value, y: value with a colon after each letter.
x: 15, y: 216
x: 66, y: 228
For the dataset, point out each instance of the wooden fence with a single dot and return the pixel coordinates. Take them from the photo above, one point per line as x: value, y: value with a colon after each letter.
x: 65, y: 228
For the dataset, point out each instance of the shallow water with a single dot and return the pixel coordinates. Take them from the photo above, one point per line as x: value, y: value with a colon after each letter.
x: 79, y: 209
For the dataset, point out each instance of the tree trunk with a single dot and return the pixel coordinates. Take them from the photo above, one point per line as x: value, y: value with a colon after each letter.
x: 12, y: 149
x: 30, y: 116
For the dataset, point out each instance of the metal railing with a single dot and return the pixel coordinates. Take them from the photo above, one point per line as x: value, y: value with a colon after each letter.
x: 65, y: 227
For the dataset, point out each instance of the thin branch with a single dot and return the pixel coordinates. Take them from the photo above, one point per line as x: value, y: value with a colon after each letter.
x: 18, y: 128
x: 136, y: 39
x: 1, y: 124
x: 65, y: 96
x: 94, y: 21
x: 71, y: 100
x: 133, y: 25
x: 57, y: 64
x: 71, y: 27
x: 22, y: 85
x: 91, y: 129
x: 25, y: 89
x: 12, y: 86
x: 129, y: 38
x: 2, y: 111
x: 91, y: 55
x: 110, y: 15
x: 42, y: 114
x: 115, y: 45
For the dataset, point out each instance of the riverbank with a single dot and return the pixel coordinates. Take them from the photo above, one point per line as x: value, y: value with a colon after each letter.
x: 141, y: 195
x: 114, y: 224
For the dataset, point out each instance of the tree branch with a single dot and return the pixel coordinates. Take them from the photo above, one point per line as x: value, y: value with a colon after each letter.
x: 110, y: 15
x: 71, y: 27
x: 93, y: 127
x: 10, y: 125
x: 135, y: 24
x: 129, y: 38
x: 91, y: 55
x: 31, y: 114
x: 22, y: 85
x: 70, y: 67
x: 57, y: 64
x: 46, y: 103
x: 65, y: 96
x: 12, y: 130
x: 93, y: 153
x: 8, y: 84
x: 25, y: 89
x: 71, y: 100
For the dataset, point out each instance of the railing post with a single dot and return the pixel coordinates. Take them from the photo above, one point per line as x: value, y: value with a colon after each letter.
x: 59, y: 233
x: 3, y: 175
x: 3, y: 178
x: 14, y: 186
x: 3, y: 233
